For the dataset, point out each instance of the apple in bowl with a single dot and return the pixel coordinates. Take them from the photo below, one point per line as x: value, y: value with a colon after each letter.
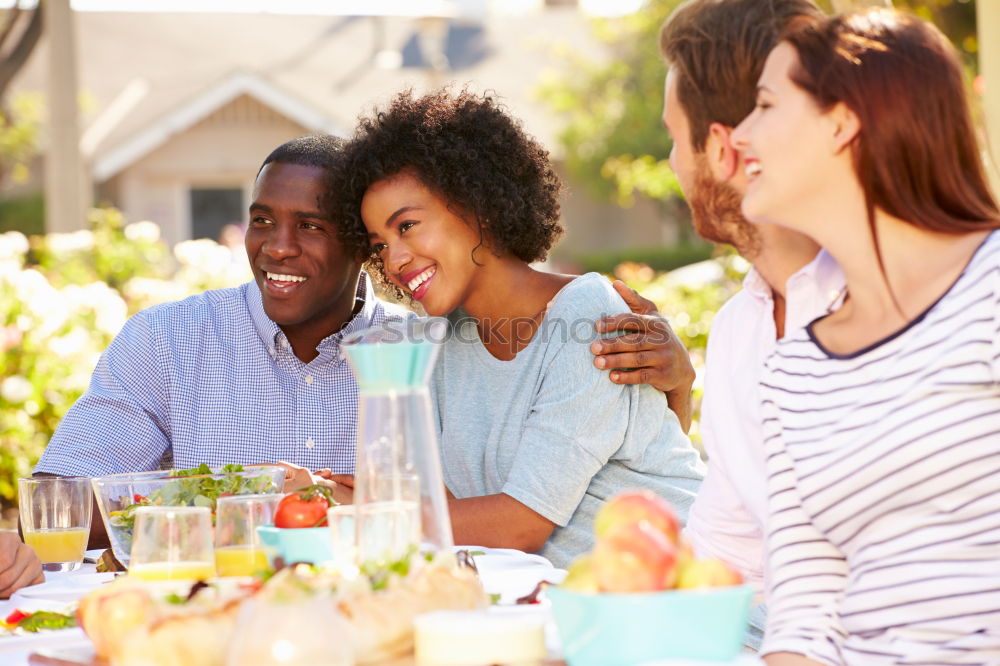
x: 642, y: 595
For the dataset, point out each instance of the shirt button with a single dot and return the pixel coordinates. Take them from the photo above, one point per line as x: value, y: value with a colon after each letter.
x: 271, y: 351
x: 310, y: 443
x: 284, y: 343
x: 309, y: 379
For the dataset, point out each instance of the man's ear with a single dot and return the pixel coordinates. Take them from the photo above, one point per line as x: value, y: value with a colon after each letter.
x: 723, y: 159
x: 845, y: 124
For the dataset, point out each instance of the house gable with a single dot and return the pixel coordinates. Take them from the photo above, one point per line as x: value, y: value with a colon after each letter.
x: 209, y: 104
x: 220, y: 152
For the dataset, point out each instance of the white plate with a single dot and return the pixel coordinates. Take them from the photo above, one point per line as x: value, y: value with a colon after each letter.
x: 512, y: 584
x: 64, y: 587
x: 45, y: 639
x: 10, y: 642
x: 504, y: 558
x: 511, y: 573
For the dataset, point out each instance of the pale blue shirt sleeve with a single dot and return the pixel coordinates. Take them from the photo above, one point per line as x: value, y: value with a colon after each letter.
x: 578, y: 420
x: 121, y: 423
x: 587, y: 438
x: 551, y: 430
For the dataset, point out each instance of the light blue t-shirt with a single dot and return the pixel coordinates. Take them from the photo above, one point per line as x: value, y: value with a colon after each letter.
x: 552, y: 431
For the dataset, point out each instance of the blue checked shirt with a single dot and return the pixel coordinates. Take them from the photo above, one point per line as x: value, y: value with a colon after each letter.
x: 211, y: 379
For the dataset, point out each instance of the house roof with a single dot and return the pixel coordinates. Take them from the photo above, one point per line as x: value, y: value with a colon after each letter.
x: 320, y: 71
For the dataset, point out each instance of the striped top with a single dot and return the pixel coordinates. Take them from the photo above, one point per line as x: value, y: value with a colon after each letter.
x: 884, y: 487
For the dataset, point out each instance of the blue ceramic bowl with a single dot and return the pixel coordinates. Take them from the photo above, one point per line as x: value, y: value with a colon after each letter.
x: 304, y: 544
x: 625, y: 629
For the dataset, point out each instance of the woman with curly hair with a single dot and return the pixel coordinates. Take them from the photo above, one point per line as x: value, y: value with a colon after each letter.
x: 455, y: 202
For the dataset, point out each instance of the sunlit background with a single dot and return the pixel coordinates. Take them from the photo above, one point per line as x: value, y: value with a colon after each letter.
x: 130, y: 132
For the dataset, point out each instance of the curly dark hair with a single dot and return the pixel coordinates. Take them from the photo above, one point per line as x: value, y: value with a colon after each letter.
x: 466, y: 148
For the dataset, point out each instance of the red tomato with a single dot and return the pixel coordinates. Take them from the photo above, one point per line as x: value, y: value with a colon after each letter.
x: 16, y: 617
x: 304, y: 508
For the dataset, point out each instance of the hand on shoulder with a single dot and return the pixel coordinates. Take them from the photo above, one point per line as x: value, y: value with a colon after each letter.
x: 646, y: 351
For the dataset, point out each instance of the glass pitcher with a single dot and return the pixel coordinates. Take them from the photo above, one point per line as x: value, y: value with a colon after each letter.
x: 399, y: 495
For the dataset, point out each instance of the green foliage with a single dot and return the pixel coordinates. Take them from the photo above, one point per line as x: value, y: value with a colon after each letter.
x: 19, y: 135
x: 614, y: 141
x: 613, y: 138
x: 24, y: 213
x: 955, y: 18
x: 63, y: 297
x: 657, y: 258
x: 101, y: 253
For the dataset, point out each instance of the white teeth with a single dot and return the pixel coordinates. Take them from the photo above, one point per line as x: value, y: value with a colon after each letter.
x: 752, y: 169
x: 278, y: 277
x: 420, y: 279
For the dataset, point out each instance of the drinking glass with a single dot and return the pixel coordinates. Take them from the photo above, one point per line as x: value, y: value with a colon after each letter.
x: 172, y: 543
x: 341, y: 521
x: 238, y: 549
x: 388, y: 525
x: 55, y: 519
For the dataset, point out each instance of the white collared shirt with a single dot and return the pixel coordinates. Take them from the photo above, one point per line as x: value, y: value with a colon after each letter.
x: 729, y: 515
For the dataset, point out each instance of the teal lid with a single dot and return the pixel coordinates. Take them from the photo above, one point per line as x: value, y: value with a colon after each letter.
x: 398, y: 356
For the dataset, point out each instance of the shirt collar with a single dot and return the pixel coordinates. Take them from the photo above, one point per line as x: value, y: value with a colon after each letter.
x: 823, y: 273
x: 362, y: 320
x: 756, y: 285
x: 824, y: 281
x: 271, y: 334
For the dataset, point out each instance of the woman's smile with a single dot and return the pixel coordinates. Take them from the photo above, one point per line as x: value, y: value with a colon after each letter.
x: 422, y: 242
x: 418, y: 282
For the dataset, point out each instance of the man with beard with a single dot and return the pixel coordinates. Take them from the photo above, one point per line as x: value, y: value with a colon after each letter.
x: 716, y: 50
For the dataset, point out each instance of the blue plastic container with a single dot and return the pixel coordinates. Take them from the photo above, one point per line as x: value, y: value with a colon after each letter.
x: 304, y: 544
x: 628, y: 629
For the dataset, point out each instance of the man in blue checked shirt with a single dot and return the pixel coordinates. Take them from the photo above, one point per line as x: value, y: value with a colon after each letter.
x: 245, y: 375
x: 255, y: 373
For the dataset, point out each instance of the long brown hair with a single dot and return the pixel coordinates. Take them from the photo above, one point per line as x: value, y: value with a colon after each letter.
x: 916, y: 155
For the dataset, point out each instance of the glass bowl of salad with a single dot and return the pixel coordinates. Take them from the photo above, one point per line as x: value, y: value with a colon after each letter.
x: 119, y: 495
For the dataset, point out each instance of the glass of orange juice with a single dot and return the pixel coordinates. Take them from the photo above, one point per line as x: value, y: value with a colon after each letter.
x: 172, y: 543
x: 55, y: 519
x: 238, y: 550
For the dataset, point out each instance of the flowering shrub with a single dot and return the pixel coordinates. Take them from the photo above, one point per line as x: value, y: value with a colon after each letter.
x: 63, y: 297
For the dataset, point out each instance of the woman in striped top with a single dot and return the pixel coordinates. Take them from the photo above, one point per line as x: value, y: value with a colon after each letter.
x: 883, y: 418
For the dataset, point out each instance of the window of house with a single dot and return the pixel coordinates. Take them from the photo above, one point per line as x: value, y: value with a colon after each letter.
x: 214, y: 208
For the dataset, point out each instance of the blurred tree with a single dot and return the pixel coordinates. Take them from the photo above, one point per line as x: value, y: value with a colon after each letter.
x: 613, y: 138
x: 20, y: 30
x: 614, y: 141
x: 956, y: 18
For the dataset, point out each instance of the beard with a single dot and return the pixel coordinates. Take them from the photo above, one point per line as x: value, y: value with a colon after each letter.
x: 716, y: 214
